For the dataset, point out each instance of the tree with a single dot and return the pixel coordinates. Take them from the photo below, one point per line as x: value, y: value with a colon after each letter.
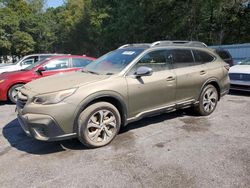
x: 22, y: 43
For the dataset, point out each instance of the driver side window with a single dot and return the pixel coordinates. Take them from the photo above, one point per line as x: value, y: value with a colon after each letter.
x: 57, y: 64
x: 157, y: 60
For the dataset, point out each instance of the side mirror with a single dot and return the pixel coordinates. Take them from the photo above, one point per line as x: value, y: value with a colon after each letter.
x: 40, y: 70
x: 143, y: 71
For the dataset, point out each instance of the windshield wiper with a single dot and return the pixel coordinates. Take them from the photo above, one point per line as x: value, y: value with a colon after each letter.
x: 92, y: 72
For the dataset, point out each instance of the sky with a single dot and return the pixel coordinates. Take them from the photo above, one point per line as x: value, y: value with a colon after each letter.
x: 54, y: 3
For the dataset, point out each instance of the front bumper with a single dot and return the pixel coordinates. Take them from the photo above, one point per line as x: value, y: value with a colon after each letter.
x: 3, y: 93
x: 42, y: 127
x: 239, y: 85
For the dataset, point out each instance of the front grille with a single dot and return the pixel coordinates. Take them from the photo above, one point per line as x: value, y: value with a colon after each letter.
x: 21, y: 99
x: 239, y: 76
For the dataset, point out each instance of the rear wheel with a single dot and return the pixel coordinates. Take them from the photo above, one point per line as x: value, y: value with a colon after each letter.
x: 207, y: 101
x: 98, y: 124
x: 12, y: 93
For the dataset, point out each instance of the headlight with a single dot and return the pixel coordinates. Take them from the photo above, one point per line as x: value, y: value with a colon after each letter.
x: 1, y: 81
x: 53, y: 98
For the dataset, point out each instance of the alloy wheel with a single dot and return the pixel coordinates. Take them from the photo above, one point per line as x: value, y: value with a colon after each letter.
x: 210, y: 100
x: 101, y: 126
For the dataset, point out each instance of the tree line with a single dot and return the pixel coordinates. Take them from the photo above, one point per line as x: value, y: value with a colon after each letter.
x: 94, y: 27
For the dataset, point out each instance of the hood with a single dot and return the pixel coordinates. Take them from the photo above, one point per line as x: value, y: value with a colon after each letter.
x: 62, y: 82
x: 244, y: 69
x: 9, y: 68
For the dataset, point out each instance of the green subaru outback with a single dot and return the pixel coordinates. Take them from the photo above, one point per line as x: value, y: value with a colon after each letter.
x: 125, y: 85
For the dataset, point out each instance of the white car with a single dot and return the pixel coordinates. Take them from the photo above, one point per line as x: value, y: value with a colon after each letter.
x: 240, y: 76
x: 24, y: 62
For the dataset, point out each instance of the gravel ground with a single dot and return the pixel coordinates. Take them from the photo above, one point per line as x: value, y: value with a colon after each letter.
x: 169, y: 150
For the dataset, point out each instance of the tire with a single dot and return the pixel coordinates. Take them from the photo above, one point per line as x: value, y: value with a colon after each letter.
x: 12, y: 93
x: 207, y: 101
x: 93, y: 132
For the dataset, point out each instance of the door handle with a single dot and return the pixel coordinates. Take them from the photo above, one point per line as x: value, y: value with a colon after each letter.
x: 170, y: 78
x: 202, y: 72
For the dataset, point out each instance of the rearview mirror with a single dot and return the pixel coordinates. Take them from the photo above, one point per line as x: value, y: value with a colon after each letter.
x: 144, y: 71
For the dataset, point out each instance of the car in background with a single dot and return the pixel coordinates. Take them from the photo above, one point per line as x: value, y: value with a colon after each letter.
x: 225, y: 55
x: 25, y: 62
x: 240, y: 76
x: 11, y: 82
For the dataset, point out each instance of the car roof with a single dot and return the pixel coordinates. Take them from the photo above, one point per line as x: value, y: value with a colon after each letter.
x: 165, y: 43
x: 71, y: 56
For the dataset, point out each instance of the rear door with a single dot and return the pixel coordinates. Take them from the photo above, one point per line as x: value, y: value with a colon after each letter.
x: 151, y: 92
x: 190, y: 75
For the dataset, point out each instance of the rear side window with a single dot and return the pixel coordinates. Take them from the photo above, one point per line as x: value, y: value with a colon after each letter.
x: 182, y: 58
x: 202, y: 57
x: 45, y: 57
x: 80, y: 62
x: 223, y: 54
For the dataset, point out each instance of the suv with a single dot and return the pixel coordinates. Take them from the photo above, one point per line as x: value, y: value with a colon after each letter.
x: 123, y: 86
x: 25, y: 62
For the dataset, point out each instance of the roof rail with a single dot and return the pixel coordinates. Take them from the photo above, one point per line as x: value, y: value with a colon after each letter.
x: 178, y: 42
x: 147, y: 45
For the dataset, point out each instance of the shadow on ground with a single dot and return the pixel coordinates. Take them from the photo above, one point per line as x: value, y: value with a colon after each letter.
x: 18, y: 139
x: 2, y: 103
x: 239, y: 93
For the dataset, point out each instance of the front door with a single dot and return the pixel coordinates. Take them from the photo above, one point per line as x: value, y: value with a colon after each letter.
x: 153, y: 92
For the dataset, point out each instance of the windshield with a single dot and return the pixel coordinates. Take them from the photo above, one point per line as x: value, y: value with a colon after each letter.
x: 245, y: 62
x: 35, y: 64
x: 113, y: 62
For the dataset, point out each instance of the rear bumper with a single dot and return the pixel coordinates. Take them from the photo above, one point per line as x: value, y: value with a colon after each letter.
x: 42, y: 127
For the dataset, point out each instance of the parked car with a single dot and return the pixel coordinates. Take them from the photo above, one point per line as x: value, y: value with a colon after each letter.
x: 25, y: 62
x: 123, y: 86
x: 240, y: 76
x: 11, y: 82
x: 225, y: 55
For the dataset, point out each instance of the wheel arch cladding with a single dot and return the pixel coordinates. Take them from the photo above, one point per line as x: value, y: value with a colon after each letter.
x: 114, y: 100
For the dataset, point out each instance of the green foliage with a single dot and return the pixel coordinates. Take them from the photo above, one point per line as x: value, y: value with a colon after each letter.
x: 22, y: 43
x: 94, y: 27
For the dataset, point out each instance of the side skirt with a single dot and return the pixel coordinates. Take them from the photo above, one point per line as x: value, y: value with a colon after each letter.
x: 166, y: 109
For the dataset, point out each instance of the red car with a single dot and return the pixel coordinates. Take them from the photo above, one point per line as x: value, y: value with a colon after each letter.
x: 10, y: 82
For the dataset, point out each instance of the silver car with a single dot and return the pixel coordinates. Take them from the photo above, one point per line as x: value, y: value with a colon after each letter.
x: 240, y: 76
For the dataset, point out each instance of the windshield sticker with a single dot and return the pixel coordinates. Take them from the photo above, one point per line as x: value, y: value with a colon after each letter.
x: 128, y: 52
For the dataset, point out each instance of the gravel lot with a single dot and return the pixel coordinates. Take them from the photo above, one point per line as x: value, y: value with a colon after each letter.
x: 169, y: 150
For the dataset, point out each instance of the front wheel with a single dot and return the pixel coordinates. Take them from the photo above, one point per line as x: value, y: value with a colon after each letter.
x: 207, y: 101
x: 98, y: 124
x: 12, y: 93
